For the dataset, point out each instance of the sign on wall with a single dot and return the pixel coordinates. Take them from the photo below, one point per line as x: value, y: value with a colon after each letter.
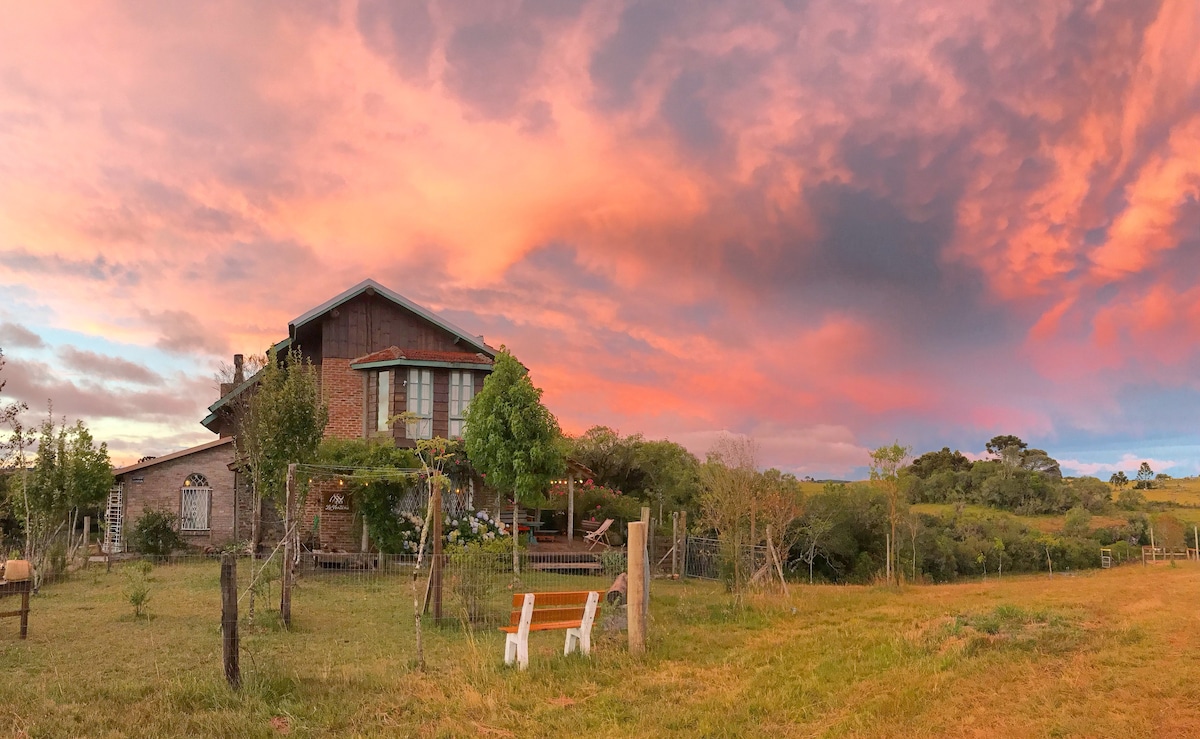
x: 337, y: 501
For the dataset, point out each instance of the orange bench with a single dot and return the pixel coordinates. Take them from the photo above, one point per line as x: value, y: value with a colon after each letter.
x: 574, y: 611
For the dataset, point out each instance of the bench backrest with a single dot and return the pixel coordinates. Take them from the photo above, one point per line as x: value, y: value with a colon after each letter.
x: 552, y: 607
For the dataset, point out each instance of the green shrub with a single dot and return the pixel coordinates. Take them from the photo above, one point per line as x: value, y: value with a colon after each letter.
x: 476, y: 573
x: 154, y: 534
x: 137, y: 587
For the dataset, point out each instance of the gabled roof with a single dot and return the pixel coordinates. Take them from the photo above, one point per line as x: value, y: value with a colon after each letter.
x: 173, y: 455
x: 420, y: 357
x: 245, y: 385
x: 371, y: 286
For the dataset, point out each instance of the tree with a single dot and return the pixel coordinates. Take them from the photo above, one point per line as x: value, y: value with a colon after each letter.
x: 1119, y: 480
x: 1037, y: 460
x: 1130, y: 500
x: 1078, y: 522
x: 812, y: 531
x: 929, y: 463
x: 886, y: 462
x: 999, y: 443
x: 512, y: 439
x: 69, y: 474
x: 284, y: 422
x: 727, y: 499
x: 1145, y: 477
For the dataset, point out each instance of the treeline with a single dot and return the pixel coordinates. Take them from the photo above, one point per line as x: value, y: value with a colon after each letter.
x: 1019, y: 479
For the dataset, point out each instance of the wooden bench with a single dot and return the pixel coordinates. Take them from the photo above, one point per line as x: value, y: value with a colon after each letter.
x: 574, y: 611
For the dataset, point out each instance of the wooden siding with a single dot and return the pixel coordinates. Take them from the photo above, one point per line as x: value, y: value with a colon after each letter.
x: 369, y: 323
x: 441, y: 403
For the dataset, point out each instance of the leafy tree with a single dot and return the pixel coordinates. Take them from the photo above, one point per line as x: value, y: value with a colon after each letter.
x: 1037, y: 460
x: 1118, y: 480
x: 728, y: 480
x: 70, y: 474
x: 284, y: 422
x: 929, y: 463
x: 999, y: 443
x: 611, y: 458
x: 1092, y: 494
x: 670, y: 473
x: 1131, y: 499
x: 1145, y: 477
x: 886, y: 462
x: 1078, y: 522
x: 511, y: 438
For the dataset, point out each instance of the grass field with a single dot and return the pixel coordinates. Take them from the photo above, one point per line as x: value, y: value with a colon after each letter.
x: 1110, y: 653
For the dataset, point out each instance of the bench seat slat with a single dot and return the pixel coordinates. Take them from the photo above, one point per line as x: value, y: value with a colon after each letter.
x: 542, y: 600
x: 548, y: 626
x: 548, y: 615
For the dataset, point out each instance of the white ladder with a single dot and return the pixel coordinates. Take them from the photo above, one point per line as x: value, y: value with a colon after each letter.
x: 113, y: 515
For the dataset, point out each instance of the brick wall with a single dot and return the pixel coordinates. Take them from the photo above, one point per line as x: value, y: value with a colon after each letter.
x: 160, y: 487
x: 338, y: 530
x: 342, y: 389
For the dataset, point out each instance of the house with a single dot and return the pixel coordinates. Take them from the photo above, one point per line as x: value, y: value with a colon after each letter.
x: 377, y: 355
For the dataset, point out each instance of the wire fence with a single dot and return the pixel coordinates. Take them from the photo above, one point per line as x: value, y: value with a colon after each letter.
x: 476, y: 587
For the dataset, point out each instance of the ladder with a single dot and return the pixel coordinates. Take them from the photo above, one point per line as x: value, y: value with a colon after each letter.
x: 113, y: 518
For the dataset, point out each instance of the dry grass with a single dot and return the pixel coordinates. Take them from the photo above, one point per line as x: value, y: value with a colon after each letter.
x: 1104, y: 654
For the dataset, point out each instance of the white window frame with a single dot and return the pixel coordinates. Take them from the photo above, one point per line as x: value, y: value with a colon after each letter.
x: 420, y: 403
x: 462, y: 392
x: 195, y: 487
x: 383, y: 398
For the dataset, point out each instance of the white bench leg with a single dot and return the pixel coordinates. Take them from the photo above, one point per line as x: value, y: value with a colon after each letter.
x: 572, y: 641
x: 510, y: 648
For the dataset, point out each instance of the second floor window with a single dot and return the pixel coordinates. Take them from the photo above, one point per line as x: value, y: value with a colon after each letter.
x: 462, y: 390
x: 383, y: 407
x: 420, y: 404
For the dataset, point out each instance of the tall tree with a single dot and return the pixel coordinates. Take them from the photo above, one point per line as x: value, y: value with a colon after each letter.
x: 512, y: 439
x: 998, y: 444
x: 284, y: 422
x: 1119, y: 479
x: 729, y: 478
x: 1145, y: 477
x: 886, y: 462
x: 69, y: 474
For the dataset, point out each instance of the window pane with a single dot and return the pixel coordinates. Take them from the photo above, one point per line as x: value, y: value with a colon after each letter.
x: 383, y: 405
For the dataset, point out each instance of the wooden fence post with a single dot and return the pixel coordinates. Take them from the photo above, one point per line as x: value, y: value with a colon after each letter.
x: 646, y: 559
x: 635, y: 610
x: 683, y: 536
x: 435, y: 502
x: 229, y: 620
x: 674, y: 544
x: 285, y: 568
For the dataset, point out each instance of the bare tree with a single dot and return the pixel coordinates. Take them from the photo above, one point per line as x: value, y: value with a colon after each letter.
x: 812, y: 532
x: 728, y: 480
x: 886, y: 462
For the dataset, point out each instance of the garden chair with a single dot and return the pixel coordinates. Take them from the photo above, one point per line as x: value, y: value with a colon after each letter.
x: 598, y: 534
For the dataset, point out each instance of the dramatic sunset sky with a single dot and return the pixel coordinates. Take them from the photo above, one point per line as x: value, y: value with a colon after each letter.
x: 829, y: 224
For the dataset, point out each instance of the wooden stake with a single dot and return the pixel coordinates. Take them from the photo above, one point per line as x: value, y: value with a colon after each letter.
x: 675, y: 544
x: 229, y: 620
x: 435, y: 575
x: 285, y: 567
x: 87, y: 536
x: 636, y: 608
x: 570, y: 509
x: 683, y: 531
x: 646, y: 561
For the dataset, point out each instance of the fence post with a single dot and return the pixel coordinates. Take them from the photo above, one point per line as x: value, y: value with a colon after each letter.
x: 229, y: 620
x: 435, y: 502
x: 674, y: 544
x: 87, y: 537
x: 646, y: 558
x: 683, y: 541
x: 285, y: 567
x: 635, y: 609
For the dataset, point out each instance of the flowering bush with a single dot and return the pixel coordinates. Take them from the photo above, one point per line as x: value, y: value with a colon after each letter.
x: 596, y: 502
x: 467, y: 528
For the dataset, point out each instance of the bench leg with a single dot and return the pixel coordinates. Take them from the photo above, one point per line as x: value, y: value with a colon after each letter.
x: 510, y: 648
x: 516, y: 649
x: 572, y: 641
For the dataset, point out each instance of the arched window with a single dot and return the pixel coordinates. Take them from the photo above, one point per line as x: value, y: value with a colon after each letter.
x: 194, y: 498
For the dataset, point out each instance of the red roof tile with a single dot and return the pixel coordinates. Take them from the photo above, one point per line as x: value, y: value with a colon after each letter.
x: 392, y: 354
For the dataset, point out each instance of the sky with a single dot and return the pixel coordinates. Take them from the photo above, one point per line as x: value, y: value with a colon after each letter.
x: 827, y: 224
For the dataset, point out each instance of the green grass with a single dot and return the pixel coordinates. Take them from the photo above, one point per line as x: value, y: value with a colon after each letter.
x: 1104, y: 654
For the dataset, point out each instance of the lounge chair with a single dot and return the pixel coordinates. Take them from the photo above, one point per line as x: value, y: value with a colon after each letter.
x: 598, y: 534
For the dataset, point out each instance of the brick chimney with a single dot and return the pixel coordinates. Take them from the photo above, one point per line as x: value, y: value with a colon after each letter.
x: 239, y: 372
